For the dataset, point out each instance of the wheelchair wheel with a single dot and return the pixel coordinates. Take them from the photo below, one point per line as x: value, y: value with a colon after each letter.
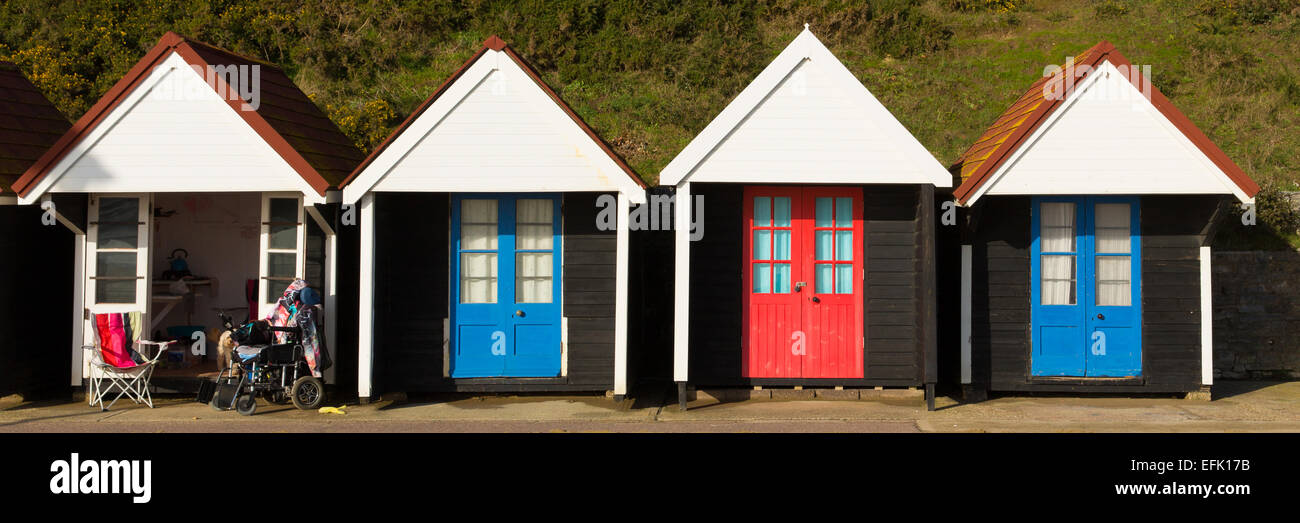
x: 308, y: 393
x: 246, y: 404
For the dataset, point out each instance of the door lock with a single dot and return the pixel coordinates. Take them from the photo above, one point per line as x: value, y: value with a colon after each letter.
x: 519, y: 313
x: 798, y: 286
x: 1101, y: 316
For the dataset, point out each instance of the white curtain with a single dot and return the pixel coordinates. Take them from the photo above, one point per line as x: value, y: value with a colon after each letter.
x: 478, y: 277
x: 533, y: 283
x: 1057, y: 234
x: 478, y: 224
x: 1114, y: 277
x: 1112, y: 224
x: 534, y: 226
x: 478, y: 270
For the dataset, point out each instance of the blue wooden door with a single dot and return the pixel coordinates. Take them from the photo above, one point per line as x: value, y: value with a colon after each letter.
x: 1086, y: 290
x: 505, y: 286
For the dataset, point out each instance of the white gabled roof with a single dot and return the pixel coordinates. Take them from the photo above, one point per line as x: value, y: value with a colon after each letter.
x: 494, y: 126
x: 805, y: 119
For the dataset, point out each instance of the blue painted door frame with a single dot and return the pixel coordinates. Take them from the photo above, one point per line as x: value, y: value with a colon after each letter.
x: 505, y: 337
x: 1084, y: 339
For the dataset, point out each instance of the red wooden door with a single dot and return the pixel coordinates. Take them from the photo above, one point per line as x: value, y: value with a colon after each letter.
x: 803, y: 283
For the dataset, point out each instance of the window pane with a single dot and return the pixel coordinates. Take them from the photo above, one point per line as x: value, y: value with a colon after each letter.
x: 762, y: 245
x: 762, y: 211
x: 782, y: 248
x: 478, y: 224
x: 825, y: 245
x: 1112, y: 224
x: 782, y: 218
x: 1058, y: 280
x: 824, y: 281
x: 782, y: 278
x: 844, y: 278
x: 119, y: 210
x: 283, y: 237
x: 533, y: 283
x: 281, y: 264
x: 1057, y: 227
x: 762, y: 278
x: 275, y: 288
x: 824, y: 212
x: 534, y: 225
x: 844, y: 212
x: 284, y: 210
x: 115, y: 265
x: 1114, y: 274
x: 478, y: 277
x: 844, y: 245
x: 114, y: 291
x: 118, y: 235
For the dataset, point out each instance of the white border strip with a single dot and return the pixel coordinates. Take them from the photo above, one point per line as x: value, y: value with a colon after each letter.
x: 1207, y: 320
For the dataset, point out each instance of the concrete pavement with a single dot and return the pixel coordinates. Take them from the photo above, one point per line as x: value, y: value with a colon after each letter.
x: 1237, y: 407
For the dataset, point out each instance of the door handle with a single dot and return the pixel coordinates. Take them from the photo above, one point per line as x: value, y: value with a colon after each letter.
x: 520, y: 313
x: 816, y: 299
x: 1101, y: 316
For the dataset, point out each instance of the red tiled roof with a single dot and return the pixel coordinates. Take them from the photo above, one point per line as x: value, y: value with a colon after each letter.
x: 289, y: 122
x: 497, y: 44
x: 1019, y: 121
x: 29, y: 124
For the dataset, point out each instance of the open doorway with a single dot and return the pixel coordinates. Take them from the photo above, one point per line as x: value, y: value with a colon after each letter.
x: 204, y: 260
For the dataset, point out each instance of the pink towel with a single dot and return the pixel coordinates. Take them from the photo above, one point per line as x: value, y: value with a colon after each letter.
x: 114, y: 342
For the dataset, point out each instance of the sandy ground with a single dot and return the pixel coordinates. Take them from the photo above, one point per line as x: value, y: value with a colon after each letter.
x: 1237, y: 407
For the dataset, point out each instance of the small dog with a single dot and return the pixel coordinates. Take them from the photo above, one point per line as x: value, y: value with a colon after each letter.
x: 225, y: 351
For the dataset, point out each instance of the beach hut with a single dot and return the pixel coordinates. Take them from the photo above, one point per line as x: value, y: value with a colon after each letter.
x: 1085, y: 256
x: 35, y: 254
x: 493, y: 256
x: 202, y: 163
x: 804, y: 222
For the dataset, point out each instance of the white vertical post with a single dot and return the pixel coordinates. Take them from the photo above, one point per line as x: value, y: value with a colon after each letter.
x: 682, y: 282
x: 1207, y: 320
x: 965, y: 313
x: 78, y: 308
x: 331, y: 299
x: 620, y: 297
x: 366, y: 298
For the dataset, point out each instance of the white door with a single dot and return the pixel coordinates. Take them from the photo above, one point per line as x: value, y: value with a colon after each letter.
x: 117, y: 242
x: 117, y: 256
x: 282, y: 251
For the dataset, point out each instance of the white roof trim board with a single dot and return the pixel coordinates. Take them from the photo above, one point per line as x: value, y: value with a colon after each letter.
x: 1107, y: 138
x: 253, y: 167
x: 906, y: 161
x: 496, y: 159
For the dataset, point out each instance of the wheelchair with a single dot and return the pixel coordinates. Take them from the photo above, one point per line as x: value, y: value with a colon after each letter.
x: 277, y: 372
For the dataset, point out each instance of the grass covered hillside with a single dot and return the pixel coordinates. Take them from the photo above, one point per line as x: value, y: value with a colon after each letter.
x: 649, y: 74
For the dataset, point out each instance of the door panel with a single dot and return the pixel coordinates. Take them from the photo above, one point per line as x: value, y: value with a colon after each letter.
x: 772, y: 309
x: 506, y: 286
x: 803, y: 279
x: 1086, y: 297
x: 833, y: 309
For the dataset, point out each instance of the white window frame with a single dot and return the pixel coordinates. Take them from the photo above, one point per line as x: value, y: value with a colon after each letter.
x: 264, y: 251
x: 142, y: 265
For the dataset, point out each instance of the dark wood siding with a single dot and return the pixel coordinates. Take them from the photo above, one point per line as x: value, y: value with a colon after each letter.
x: 36, y: 263
x: 411, y: 298
x: 1172, y: 228
x: 1000, y: 292
x: 895, y: 298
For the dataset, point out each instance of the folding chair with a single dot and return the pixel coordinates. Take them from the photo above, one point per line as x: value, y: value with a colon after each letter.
x: 112, y: 369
